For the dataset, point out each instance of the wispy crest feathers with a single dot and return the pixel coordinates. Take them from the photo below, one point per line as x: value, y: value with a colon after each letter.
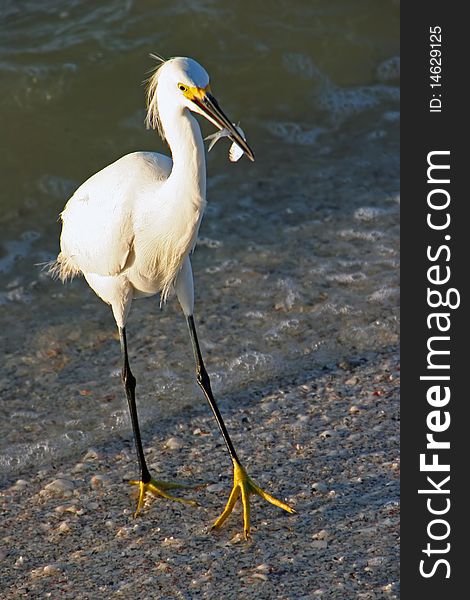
x: 152, y: 120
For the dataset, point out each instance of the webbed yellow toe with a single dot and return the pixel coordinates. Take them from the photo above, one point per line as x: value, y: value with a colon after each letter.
x: 158, y: 488
x: 244, y: 486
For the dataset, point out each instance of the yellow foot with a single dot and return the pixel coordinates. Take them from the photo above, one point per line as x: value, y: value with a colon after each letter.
x: 244, y: 486
x: 159, y: 489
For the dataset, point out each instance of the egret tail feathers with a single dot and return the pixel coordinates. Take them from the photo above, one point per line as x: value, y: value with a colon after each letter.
x: 62, y: 268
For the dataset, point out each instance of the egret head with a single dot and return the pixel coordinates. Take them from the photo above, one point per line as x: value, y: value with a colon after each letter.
x: 183, y: 82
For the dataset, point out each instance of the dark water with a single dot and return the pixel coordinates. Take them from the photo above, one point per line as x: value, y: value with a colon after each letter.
x: 297, y: 265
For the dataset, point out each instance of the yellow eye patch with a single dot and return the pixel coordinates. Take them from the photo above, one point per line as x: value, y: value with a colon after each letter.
x: 194, y: 92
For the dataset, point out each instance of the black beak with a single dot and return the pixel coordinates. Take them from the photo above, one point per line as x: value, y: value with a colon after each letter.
x: 212, y: 111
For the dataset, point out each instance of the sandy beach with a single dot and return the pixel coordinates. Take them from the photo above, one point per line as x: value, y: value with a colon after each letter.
x: 297, y: 307
x: 328, y: 444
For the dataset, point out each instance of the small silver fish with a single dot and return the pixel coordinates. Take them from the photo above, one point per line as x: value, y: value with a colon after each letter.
x: 235, y: 152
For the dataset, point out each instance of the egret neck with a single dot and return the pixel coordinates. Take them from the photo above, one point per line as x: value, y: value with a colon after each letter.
x: 184, y: 137
x: 184, y: 190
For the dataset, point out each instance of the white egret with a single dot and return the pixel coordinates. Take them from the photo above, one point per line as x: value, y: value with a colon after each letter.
x: 130, y: 229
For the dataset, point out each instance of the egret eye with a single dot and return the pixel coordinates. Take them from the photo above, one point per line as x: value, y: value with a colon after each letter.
x: 182, y: 87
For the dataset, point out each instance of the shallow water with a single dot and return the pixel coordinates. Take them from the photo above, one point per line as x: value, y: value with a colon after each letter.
x: 297, y: 264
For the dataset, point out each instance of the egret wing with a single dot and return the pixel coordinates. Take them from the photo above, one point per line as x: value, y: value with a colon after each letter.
x: 98, y: 225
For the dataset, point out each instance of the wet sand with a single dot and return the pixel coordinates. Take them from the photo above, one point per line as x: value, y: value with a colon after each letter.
x: 297, y: 267
x: 327, y: 443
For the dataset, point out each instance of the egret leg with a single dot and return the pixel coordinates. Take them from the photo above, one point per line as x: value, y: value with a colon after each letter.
x: 243, y: 485
x: 146, y: 483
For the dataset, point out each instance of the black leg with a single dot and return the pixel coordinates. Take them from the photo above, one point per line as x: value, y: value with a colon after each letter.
x: 243, y: 486
x: 205, y: 384
x: 129, y: 385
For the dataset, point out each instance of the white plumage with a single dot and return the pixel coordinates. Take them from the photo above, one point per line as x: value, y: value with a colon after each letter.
x: 120, y: 225
x: 131, y: 227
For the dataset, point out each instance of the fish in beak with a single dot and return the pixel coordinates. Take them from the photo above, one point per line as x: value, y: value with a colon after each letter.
x: 209, y: 108
x: 235, y: 152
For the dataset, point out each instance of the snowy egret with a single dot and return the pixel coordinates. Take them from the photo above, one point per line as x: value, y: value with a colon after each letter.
x: 130, y: 229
